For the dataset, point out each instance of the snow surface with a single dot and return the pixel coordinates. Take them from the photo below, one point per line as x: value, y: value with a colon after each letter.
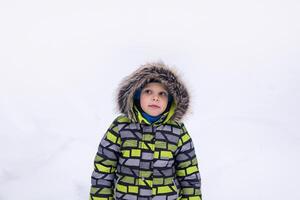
x: 61, y: 63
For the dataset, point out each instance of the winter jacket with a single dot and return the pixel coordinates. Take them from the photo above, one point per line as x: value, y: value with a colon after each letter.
x: 137, y: 160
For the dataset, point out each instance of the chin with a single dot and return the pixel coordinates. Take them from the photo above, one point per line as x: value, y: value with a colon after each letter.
x: 155, y: 114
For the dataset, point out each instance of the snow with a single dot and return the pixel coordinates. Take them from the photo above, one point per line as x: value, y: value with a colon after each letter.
x: 61, y: 63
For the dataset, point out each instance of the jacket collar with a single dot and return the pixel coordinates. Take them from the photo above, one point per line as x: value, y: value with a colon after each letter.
x: 165, y: 117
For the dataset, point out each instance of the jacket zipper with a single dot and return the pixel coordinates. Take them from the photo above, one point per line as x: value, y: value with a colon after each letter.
x: 176, y: 188
x: 115, y: 189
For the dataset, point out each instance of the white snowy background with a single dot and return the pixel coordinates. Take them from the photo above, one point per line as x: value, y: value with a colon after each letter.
x: 61, y: 62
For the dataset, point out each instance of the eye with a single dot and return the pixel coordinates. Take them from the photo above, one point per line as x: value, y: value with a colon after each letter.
x: 163, y: 93
x: 147, y: 91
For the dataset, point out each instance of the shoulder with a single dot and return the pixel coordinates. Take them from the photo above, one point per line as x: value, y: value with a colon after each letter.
x: 178, y: 124
x: 121, y: 122
x: 178, y: 128
x: 184, y: 134
x: 174, y: 123
x: 121, y: 119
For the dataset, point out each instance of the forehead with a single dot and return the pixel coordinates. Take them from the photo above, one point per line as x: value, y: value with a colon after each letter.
x: 155, y: 85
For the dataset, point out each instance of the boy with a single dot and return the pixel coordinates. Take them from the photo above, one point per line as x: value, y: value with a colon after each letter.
x: 147, y: 152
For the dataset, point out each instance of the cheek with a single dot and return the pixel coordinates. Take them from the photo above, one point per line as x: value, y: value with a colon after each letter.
x: 165, y: 103
x: 143, y: 100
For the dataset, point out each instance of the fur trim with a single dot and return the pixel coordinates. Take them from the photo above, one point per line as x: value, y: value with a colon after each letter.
x: 139, y: 78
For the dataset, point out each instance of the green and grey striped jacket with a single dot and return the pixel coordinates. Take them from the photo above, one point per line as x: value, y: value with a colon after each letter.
x: 137, y: 160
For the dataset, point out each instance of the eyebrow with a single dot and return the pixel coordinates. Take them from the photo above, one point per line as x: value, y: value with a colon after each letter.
x: 163, y: 90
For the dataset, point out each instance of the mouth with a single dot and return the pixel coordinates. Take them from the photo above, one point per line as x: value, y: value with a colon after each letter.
x: 154, y: 106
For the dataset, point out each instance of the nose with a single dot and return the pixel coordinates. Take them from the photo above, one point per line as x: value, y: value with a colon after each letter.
x: 155, y: 98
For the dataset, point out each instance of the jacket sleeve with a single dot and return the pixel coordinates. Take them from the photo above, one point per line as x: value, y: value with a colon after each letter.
x: 187, y: 171
x: 105, y: 163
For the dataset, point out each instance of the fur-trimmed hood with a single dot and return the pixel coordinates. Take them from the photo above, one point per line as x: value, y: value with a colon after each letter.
x: 153, y: 71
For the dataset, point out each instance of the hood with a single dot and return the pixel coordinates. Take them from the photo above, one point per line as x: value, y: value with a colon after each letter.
x: 157, y: 71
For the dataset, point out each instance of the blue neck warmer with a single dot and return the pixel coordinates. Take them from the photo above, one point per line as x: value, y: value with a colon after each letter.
x: 150, y: 118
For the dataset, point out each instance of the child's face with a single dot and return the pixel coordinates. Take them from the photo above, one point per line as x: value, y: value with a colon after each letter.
x: 154, y: 99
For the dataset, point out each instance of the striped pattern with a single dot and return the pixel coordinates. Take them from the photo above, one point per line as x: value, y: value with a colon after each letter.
x: 139, y: 161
